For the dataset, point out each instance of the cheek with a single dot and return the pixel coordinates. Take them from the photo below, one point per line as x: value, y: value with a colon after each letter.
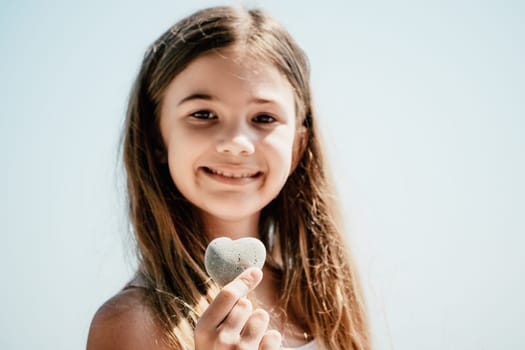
x: 183, y: 145
x: 281, y: 148
x: 182, y: 154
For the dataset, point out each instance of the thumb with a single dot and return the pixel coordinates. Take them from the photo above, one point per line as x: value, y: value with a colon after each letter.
x: 245, y: 282
x: 228, y: 297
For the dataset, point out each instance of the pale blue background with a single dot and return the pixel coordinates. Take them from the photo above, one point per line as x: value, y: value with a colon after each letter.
x: 422, y: 107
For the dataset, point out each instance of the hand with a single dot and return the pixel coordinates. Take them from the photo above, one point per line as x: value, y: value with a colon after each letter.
x: 231, y: 323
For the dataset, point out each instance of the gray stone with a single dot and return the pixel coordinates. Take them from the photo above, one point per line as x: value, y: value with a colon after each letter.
x: 225, y: 258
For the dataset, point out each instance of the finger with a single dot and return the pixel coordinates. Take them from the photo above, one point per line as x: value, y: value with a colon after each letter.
x: 236, y: 319
x: 228, y: 297
x: 254, y: 329
x: 271, y: 341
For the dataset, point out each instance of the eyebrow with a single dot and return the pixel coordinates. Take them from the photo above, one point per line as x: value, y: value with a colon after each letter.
x: 196, y: 96
x: 208, y: 97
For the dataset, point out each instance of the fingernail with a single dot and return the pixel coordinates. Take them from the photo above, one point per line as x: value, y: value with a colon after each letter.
x: 251, y: 276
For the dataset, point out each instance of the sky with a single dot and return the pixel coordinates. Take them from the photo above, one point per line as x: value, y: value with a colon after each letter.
x: 422, y: 110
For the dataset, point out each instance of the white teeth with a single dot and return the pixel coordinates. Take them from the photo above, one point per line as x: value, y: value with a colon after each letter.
x: 226, y: 174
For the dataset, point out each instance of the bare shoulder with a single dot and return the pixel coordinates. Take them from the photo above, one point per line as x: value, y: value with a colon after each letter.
x: 125, y: 322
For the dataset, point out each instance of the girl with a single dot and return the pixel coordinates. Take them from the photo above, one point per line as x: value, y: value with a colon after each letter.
x: 221, y: 140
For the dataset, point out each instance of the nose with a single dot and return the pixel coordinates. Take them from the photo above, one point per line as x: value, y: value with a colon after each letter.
x: 237, y: 144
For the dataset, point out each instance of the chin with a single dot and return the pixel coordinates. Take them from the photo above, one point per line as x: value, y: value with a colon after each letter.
x: 232, y: 213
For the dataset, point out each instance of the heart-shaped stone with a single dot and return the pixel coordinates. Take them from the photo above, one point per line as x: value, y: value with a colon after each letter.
x: 225, y: 258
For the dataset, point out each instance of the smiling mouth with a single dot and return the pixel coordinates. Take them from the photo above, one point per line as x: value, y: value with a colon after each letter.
x: 231, y: 175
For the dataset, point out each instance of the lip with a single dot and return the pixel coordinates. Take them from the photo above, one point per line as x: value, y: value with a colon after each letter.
x: 231, y: 175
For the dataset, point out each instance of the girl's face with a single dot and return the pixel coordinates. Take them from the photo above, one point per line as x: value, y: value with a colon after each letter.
x: 228, y: 124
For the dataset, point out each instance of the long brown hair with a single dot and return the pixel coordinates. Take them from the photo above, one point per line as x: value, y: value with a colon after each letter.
x: 318, y: 280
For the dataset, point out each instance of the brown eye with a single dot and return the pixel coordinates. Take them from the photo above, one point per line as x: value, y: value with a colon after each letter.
x: 204, y: 115
x: 264, y: 119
